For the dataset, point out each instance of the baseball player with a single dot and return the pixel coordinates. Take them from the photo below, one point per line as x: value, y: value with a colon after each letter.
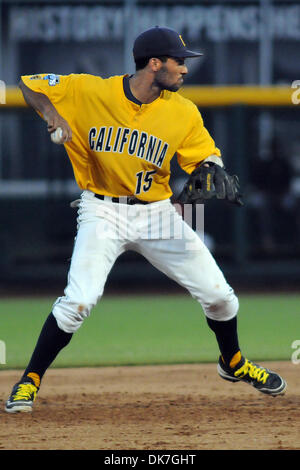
x: 120, y: 134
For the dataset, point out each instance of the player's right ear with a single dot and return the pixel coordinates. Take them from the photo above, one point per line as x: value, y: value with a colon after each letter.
x: 155, y: 64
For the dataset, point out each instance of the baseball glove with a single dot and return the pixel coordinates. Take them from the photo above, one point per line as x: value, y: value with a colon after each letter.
x: 210, y: 180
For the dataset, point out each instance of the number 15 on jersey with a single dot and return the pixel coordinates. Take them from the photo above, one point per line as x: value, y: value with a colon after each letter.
x: 144, y: 181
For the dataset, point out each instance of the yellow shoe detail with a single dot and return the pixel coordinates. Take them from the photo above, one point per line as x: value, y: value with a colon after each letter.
x: 255, y: 372
x: 236, y: 359
x: 25, y: 392
x: 35, y: 377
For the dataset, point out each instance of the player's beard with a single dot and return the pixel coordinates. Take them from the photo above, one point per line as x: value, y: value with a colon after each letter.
x: 161, y: 81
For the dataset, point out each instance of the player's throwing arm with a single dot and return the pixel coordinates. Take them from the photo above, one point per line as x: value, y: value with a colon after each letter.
x: 57, y: 126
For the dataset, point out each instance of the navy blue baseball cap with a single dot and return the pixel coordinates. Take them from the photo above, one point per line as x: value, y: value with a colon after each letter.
x: 159, y: 41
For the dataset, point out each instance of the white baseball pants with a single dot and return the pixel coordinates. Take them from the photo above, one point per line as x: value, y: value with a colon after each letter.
x: 156, y: 231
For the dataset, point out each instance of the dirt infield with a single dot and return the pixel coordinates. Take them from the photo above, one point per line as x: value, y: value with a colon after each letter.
x: 182, y: 407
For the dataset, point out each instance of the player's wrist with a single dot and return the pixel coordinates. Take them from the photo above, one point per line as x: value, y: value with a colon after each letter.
x: 213, y: 159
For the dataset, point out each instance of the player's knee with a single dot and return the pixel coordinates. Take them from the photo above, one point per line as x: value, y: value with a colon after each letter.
x: 70, y: 315
x: 222, y: 307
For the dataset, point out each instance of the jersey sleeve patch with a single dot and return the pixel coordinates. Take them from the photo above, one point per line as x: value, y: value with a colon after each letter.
x: 52, y: 79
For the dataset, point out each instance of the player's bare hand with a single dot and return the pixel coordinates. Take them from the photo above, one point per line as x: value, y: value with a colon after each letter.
x: 55, y: 121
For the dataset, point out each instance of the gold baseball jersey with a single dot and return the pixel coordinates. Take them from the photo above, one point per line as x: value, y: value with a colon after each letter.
x: 121, y: 147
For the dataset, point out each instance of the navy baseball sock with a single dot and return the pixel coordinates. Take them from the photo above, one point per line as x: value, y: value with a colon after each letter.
x: 227, y: 337
x: 50, y: 342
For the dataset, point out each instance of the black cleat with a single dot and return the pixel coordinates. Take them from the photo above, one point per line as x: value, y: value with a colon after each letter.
x: 264, y: 380
x: 22, y: 396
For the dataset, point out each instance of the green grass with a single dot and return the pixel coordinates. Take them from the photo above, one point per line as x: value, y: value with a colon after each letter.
x: 151, y: 330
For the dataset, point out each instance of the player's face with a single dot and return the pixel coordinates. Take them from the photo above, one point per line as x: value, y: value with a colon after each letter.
x: 171, y: 74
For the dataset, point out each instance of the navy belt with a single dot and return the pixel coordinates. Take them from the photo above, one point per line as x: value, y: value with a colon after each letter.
x: 130, y: 200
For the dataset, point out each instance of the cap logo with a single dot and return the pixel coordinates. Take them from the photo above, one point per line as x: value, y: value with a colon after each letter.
x: 180, y: 37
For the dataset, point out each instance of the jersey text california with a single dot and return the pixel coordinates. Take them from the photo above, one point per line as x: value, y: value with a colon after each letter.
x: 133, y: 142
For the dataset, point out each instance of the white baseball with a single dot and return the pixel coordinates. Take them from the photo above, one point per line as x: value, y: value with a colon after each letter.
x: 57, y: 135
